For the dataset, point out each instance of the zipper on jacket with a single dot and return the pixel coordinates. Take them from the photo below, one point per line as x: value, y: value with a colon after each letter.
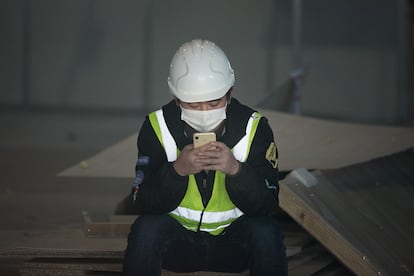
x: 199, y: 222
x: 204, y: 188
x: 204, y: 185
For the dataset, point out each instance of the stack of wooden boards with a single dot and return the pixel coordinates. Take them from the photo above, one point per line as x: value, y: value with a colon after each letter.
x: 305, y: 255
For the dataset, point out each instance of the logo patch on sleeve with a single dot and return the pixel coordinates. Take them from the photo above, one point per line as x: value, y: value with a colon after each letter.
x: 271, y: 154
x: 143, y: 160
x: 139, y: 177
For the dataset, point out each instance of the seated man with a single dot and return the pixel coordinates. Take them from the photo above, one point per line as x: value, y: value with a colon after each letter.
x: 206, y: 208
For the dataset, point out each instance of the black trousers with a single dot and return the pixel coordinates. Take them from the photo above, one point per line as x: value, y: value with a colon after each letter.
x: 159, y: 241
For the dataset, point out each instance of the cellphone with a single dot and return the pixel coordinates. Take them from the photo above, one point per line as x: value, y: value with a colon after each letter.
x: 202, y: 138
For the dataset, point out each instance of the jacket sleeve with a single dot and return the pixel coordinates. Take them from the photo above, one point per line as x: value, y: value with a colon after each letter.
x: 255, y: 189
x: 158, y: 188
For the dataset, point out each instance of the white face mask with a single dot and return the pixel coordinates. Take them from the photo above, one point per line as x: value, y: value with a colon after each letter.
x: 203, y: 120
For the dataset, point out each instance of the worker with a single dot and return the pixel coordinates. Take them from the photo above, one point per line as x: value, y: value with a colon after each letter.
x: 207, y: 208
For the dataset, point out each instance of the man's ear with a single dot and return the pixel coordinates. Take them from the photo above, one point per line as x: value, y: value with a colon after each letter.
x: 177, y: 101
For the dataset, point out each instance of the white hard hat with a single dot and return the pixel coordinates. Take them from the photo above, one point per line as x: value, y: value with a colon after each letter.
x: 200, y: 71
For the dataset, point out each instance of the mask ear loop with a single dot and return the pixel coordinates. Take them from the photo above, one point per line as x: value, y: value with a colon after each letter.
x: 228, y: 96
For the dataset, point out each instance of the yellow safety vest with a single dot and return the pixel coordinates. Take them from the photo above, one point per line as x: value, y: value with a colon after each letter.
x: 220, y: 211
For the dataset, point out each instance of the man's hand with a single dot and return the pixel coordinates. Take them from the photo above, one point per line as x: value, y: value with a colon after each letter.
x: 218, y: 157
x: 186, y: 161
x: 212, y: 156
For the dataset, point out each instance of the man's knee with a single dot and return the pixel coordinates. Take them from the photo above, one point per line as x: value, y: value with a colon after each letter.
x: 149, y: 227
x: 265, y: 226
x: 266, y: 235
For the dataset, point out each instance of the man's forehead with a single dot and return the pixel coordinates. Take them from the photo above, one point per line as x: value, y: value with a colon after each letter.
x: 209, y: 101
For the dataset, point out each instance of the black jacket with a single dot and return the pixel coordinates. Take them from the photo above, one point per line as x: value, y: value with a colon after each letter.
x: 254, y: 190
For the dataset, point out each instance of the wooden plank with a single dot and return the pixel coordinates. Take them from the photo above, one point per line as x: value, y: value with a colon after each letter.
x: 53, y: 272
x: 39, y: 252
x: 314, y: 265
x: 327, y: 140
x: 75, y: 264
x: 322, y: 230
x: 334, y: 269
x: 313, y: 259
x: 360, y: 212
x: 372, y: 202
x: 306, y: 256
x: 120, y: 228
x: 50, y: 272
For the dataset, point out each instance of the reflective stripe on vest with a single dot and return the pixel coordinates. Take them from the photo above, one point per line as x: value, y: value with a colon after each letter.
x: 242, y: 148
x: 164, y: 135
x: 220, y: 211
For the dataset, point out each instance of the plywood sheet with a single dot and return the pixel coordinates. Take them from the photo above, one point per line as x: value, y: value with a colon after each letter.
x: 303, y: 142
x: 361, y: 213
